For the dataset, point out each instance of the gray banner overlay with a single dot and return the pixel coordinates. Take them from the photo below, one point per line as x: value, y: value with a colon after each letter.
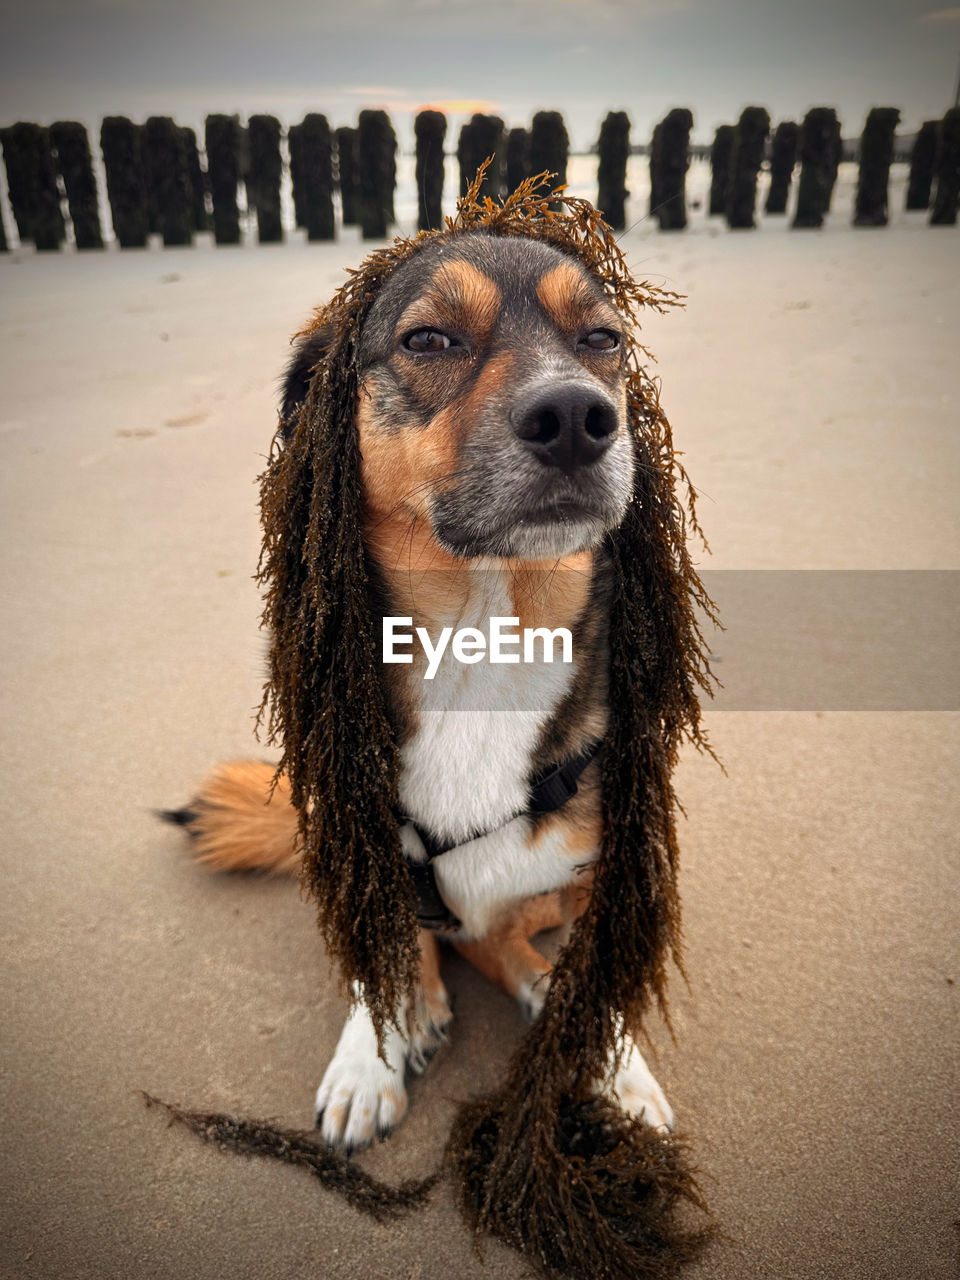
x: 836, y: 640
x: 794, y: 640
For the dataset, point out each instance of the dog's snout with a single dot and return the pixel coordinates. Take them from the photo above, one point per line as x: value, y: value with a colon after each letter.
x: 565, y: 425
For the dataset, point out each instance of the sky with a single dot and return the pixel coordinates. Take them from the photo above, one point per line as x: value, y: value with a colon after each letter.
x: 83, y: 59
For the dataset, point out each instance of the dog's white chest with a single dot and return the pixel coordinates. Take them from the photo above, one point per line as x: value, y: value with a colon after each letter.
x: 465, y: 769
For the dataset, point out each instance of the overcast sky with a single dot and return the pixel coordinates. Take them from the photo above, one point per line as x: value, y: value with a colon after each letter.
x: 88, y: 58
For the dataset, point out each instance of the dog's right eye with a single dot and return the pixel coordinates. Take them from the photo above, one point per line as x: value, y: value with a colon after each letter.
x: 422, y: 340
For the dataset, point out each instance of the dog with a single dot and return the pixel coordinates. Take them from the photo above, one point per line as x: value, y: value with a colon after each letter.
x: 495, y: 459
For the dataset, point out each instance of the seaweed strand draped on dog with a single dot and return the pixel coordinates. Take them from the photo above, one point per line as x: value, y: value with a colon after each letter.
x: 582, y: 1188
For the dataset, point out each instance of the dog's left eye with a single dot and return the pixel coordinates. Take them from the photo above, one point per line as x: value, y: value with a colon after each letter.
x: 601, y: 340
x: 427, y: 340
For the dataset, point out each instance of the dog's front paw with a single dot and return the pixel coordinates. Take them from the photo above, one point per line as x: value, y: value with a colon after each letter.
x: 361, y: 1097
x: 638, y: 1093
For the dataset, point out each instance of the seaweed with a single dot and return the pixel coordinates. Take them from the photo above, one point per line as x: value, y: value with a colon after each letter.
x: 539, y: 1160
x: 302, y: 1148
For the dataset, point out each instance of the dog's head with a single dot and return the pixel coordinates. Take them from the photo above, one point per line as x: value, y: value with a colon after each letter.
x: 491, y: 398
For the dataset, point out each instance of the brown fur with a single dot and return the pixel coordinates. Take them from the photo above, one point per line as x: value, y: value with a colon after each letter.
x: 242, y: 823
x: 461, y: 297
x: 566, y: 297
x: 403, y: 463
x: 505, y: 954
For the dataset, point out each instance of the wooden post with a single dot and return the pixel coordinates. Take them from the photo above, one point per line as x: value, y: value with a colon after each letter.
x: 120, y: 142
x: 614, y: 148
x: 74, y: 162
x: 389, y: 169
x: 721, y: 154
x: 748, y: 144
x: 223, y: 167
x: 549, y: 146
x: 922, y: 160
x: 430, y: 128
x: 315, y: 159
x: 167, y: 169
x: 198, y: 181
x: 374, y: 134
x: 656, y: 165
x: 150, y: 182
x: 485, y: 139
x: 347, y: 174
x: 16, y: 161
x: 782, y: 161
x: 518, y: 157
x: 876, y: 155
x: 835, y: 155
x: 466, y: 155
x: 32, y: 185
x: 673, y: 148
x: 263, y: 181
x: 818, y: 135
x: 948, y: 171
x: 295, y: 149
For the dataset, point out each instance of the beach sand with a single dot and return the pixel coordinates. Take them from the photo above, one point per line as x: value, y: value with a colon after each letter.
x: 813, y: 382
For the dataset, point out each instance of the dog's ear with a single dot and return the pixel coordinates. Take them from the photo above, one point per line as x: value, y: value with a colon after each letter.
x: 308, y: 352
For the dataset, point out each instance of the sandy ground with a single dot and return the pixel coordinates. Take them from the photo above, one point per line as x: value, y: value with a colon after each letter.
x: 813, y: 382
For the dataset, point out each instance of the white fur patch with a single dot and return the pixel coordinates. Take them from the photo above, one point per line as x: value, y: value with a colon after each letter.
x: 637, y: 1092
x: 465, y: 770
x: 361, y: 1097
x: 482, y: 878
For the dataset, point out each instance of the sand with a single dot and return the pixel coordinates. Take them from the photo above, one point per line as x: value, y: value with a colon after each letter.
x: 813, y: 383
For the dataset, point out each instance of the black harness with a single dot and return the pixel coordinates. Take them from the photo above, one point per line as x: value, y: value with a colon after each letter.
x: 550, y: 791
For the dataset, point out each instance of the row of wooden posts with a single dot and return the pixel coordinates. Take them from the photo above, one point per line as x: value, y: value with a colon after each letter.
x: 156, y: 182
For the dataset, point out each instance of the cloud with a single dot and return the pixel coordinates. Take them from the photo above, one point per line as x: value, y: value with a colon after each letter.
x: 467, y: 106
x: 942, y: 15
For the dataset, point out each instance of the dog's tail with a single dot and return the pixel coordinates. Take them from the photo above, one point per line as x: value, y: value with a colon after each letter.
x: 235, y: 823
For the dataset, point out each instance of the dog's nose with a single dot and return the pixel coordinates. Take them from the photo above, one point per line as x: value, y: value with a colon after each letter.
x: 566, y: 425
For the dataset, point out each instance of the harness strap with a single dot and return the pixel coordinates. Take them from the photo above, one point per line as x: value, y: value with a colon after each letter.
x: 550, y: 791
